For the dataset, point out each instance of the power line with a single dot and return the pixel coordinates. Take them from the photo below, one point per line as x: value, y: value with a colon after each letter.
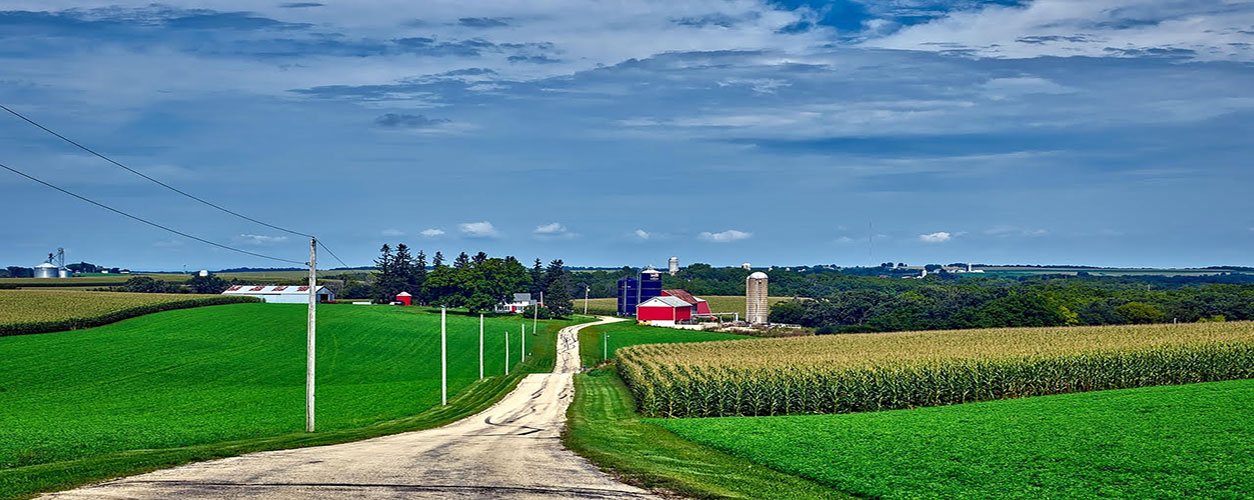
x: 145, y: 221
x: 162, y: 184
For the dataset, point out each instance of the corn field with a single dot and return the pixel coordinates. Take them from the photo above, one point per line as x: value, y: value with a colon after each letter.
x: 39, y: 311
x: 870, y: 372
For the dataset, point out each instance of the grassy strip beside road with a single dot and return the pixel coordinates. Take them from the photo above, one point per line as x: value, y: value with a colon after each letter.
x: 41, y: 311
x: 1190, y: 441
x: 628, y: 333
x: 603, y: 426
x: 200, y: 383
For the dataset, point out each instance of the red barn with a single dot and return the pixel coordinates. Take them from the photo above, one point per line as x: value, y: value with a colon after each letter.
x: 699, y: 306
x: 664, y: 308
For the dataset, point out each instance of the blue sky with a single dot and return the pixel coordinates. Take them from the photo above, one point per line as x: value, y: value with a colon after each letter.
x: 1096, y: 132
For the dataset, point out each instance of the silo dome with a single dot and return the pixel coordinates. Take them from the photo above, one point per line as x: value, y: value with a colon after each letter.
x: 758, y: 275
x: 46, y: 270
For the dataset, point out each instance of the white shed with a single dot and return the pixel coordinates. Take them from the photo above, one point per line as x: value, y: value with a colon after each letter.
x: 281, y: 294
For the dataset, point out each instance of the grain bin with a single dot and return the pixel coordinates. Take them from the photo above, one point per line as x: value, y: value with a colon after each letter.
x: 756, y: 306
x: 46, y: 270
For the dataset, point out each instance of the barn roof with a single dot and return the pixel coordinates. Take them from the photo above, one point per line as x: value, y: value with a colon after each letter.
x: 664, y: 301
x: 684, y: 296
x: 270, y: 290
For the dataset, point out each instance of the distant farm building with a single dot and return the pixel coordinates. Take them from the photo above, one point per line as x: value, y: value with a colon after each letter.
x: 521, y: 301
x: 699, y: 306
x: 405, y: 299
x: 281, y: 294
x: 664, y: 310
x: 632, y: 291
x: 756, y: 304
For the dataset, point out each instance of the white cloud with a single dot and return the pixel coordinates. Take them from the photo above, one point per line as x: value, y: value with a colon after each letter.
x: 431, y: 233
x: 937, y: 237
x: 260, y: 239
x: 1014, y: 231
x: 483, y: 229
x: 642, y: 234
x: 392, y: 232
x: 844, y: 240
x: 725, y: 236
x: 553, y: 228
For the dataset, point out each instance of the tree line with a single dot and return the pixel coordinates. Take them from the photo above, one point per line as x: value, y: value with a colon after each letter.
x: 1059, y: 301
x: 477, y: 283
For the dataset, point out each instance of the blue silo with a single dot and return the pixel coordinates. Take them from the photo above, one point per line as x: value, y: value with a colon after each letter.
x: 627, y: 296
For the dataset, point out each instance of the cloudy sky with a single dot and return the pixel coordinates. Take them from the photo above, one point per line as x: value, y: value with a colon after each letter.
x: 1103, y: 132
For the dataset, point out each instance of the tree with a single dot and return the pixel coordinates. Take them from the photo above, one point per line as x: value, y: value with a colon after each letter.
x: 403, y: 267
x: 462, y: 261
x: 438, y: 260
x: 144, y: 284
x: 387, y: 283
x: 419, y: 277
x: 557, y: 291
x: 479, y: 258
x: 83, y: 267
x: 22, y: 272
x: 209, y: 285
x: 537, y: 279
x: 445, y: 287
x: 1140, y: 313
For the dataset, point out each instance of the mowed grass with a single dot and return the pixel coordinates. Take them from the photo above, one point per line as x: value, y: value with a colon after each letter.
x: 72, y: 309
x: 1189, y: 441
x: 232, y: 372
x: 628, y: 333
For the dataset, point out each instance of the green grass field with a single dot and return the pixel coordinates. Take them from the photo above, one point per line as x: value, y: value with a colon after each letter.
x: 1189, y: 441
x: 43, y: 310
x: 230, y: 373
x: 628, y: 333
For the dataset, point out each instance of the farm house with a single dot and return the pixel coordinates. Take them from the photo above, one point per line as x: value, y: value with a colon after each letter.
x: 664, y: 310
x: 281, y: 294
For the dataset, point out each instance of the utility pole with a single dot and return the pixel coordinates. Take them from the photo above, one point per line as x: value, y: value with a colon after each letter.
x: 311, y: 335
x: 481, y: 347
x: 507, y: 353
x: 522, y: 337
x: 443, y: 357
x: 586, y: 289
x: 605, y: 346
x: 536, y: 316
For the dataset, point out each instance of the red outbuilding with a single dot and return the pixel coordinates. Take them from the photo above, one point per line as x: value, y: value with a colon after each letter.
x: 405, y: 298
x: 664, y: 308
x: 699, y: 306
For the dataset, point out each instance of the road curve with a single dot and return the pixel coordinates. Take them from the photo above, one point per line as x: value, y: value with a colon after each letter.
x: 509, y: 451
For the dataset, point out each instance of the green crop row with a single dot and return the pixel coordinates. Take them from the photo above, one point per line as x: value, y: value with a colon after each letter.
x: 113, y: 316
x: 720, y: 379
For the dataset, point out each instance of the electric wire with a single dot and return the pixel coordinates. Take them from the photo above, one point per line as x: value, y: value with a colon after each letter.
x: 146, y: 221
x: 167, y: 186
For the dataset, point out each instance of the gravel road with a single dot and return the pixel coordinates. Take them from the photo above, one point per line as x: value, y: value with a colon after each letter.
x: 510, y: 451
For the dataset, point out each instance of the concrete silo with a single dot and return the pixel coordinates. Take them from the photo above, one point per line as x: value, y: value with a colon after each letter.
x: 756, y: 305
x: 673, y: 265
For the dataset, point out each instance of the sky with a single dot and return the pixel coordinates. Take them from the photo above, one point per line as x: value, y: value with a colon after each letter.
x: 1096, y: 132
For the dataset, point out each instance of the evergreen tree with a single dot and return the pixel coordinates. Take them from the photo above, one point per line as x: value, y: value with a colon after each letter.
x: 420, y: 277
x: 462, y: 261
x: 438, y: 261
x: 386, y: 285
x: 479, y: 258
x: 537, y: 279
x: 403, y: 265
x: 557, y: 290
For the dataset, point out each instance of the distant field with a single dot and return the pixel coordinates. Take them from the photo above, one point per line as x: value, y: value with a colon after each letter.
x: 718, y: 304
x: 42, y: 310
x: 95, y: 281
x: 232, y: 372
x: 1189, y: 441
x: 627, y: 333
x: 1106, y: 271
x: 869, y: 372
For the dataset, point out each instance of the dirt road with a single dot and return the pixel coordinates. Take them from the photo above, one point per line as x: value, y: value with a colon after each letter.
x: 509, y: 451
